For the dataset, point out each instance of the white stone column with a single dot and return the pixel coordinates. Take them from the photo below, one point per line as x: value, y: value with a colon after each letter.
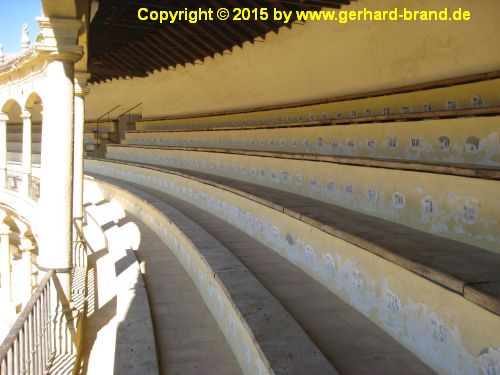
x: 56, y: 182
x: 3, y: 149
x: 5, y: 263
x: 26, y: 160
x: 26, y: 247
x: 81, y: 91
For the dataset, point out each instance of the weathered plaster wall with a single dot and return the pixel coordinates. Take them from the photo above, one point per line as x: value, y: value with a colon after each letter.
x: 319, y: 60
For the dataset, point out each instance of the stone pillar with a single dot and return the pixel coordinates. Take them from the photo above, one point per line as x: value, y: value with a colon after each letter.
x: 5, y: 263
x: 80, y: 92
x: 26, y: 247
x: 58, y: 45
x: 26, y: 163
x: 3, y: 149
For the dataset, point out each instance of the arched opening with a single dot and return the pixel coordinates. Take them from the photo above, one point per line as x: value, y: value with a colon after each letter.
x: 14, y: 131
x: 23, y: 144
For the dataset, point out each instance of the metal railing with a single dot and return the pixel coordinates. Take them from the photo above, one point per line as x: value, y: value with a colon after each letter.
x: 49, y: 326
x: 128, y: 113
x: 99, y: 118
x: 28, y: 348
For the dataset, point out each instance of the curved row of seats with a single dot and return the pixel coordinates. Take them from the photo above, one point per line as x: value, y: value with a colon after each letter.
x: 473, y: 141
x: 398, y: 220
x: 250, y: 291
x: 467, y: 210
x: 256, y: 320
x: 463, y: 133
x: 423, y: 290
x: 425, y: 101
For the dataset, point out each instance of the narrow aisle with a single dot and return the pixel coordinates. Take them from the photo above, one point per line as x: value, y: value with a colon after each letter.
x: 188, y: 339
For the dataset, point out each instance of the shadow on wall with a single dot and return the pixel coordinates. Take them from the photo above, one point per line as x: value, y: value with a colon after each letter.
x: 119, y: 318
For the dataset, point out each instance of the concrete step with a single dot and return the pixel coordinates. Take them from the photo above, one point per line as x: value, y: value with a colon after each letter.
x: 103, y: 126
x: 415, y: 297
x: 171, y: 325
x: 253, y: 322
x: 188, y: 339
x: 351, y: 342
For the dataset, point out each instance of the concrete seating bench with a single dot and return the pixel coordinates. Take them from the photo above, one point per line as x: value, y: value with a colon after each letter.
x: 252, y: 321
x: 466, y: 267
x: 470, y: 140
x: 464, y: 170
x: 412, y: 198
x: 383, y: 269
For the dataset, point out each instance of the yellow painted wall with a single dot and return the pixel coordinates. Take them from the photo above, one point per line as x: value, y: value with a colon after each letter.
x: 318, y: 60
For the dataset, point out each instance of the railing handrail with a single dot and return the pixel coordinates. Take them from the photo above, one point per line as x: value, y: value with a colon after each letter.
x: 19, y: 324
x: 128, y: 110
x: 107, y: 113
x: 100, y: 117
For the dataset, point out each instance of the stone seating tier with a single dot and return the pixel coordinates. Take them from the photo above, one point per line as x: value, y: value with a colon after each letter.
x: 427, y: 303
